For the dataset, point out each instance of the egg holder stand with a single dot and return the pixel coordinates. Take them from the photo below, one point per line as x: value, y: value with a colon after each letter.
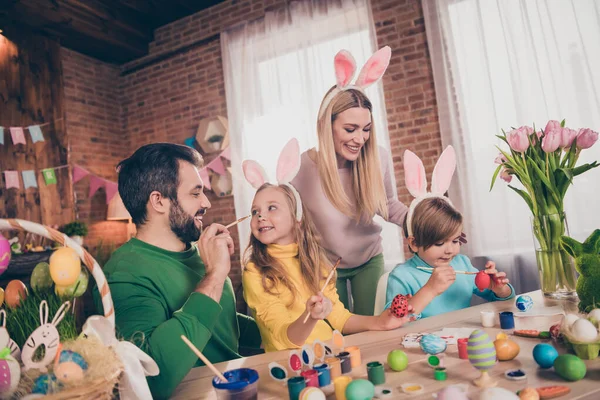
x: 99, y: 388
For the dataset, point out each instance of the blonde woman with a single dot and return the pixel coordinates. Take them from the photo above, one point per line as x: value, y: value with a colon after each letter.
x: 348, y: 180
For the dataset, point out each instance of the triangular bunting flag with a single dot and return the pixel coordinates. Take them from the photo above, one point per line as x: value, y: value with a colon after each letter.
x: 36, y: 133
x: 79, y: 173
x: 95, y: 184
x: 17, y: 135
x: 217, y: 166
x: 111, y: 189
x: 29, y: 179
x: 1, y: 135
x: 12, y: 179
x: 205, y: 178
x: 49, y: 176
x: 226, y: 153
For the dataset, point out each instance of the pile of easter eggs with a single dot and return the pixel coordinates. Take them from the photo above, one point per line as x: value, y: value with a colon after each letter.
x: 583, y: 334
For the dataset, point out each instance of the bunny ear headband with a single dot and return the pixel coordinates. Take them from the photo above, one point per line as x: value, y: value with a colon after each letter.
x: 345, y: 67
x: 288, y: 166
x: 416, y: 181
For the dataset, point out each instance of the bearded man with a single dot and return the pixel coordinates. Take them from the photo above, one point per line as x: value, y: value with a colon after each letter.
x: 172, y: 278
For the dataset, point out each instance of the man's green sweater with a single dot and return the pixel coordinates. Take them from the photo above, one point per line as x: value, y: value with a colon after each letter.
x: 155, y: 303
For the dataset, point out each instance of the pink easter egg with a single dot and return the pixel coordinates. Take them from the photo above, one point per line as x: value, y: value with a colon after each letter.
x: 5, y: 254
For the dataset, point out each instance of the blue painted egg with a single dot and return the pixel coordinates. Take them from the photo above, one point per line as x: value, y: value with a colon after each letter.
x: 43, y: 383
x: 524, y: 303
x: 71, y: 356
x: 544, y: 354
x: 481, y: 350
x: 432, y: 344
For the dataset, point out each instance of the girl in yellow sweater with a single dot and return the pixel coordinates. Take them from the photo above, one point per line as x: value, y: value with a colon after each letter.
x: 286, y: 267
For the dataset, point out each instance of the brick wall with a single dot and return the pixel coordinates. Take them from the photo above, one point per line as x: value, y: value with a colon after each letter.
x: 164, y: 101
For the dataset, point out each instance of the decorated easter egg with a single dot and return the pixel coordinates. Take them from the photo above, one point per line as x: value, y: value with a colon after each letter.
x: 360, y: 389
x: 43, y: 383
x: 311, y: 393
x: 524, y: 303
x: 497, y: 393
x: 480, y: 350
x: 400, y: 306
x: 584, y: 331
x: 432, y: 344
x: 397, y: 360
x: 482, y: 281
x: 544, y: 354
x: 76, y: 289
x: 5, y: 254
x: 506, y: 349
x: 14, y: 293
x: 10, y: 374
x: 40, y: 277
x: 529, y: 394
x: 570, y: 367
x: 65, y: 266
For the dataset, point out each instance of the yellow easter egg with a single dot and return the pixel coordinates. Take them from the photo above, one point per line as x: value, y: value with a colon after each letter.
x: 65, y: 266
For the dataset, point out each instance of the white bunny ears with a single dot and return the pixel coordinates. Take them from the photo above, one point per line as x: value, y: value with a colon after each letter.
x: 345, y: 67
x: 288, y: 166
x: 416, y: 181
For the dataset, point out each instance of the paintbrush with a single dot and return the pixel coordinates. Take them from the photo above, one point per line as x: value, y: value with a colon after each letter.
x: 458, y: 272
x: 234, y: 223
x: 339, y: 260
x: 203, y: 358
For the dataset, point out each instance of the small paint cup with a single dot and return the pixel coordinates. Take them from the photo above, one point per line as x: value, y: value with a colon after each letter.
x: 440, y: 374
x: 341, y: 383
x: 507, y: 320
x: 335, y: 365
x: 324, y: 374
x: 355, y: 359
x: 462, y: 348
x: 376, y: 373
x: 242, y: 384
x: 344, y: 357
x: 488, y: 319
x: 295, y: 386
x: 311, y: 376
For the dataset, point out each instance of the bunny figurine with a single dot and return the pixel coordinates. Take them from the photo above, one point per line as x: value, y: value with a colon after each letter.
x: 46, y: 335
x: 6, y: 341
x: 587, y: 262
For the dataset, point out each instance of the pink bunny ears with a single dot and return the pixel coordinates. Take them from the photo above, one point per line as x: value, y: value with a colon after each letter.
x: 345, y: 67
x: 288, y: 166
x: 416, y: 181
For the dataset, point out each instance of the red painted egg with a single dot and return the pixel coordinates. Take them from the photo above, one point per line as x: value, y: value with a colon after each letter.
x: 482, y: 281
x: 400, y: 306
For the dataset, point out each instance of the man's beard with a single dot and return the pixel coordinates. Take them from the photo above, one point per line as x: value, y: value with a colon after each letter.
x: 182, y: 224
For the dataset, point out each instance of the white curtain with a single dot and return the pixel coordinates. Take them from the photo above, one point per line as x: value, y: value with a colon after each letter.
x: 502, y: 64
x: 277, y: 70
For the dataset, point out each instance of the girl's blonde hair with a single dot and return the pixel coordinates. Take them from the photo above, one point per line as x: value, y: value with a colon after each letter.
x: 312, y: 257
x: 434, y: 220
x: 367, y: 183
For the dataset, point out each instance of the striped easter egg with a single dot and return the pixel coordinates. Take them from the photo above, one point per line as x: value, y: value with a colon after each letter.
x: 481, y: 351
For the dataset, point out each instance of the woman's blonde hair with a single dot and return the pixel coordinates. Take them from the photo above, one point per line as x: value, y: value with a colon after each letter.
x: 367, y: 183
x: 434, y: 220
x: 313, y: 259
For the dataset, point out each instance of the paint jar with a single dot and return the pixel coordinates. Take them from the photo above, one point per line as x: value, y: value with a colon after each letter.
x: 507, y: 320
x: 311, y: 376
x: 295, y: 386
x: 462, y: 348
x: 440, y: 374
x: 488, y: 319
x: 242, y: 384
x: 355, y: 359
x: 341, y: 383
x: 324, y: 374
x: 376, y: 373
x: 335, y: 365
x: 344, y: 357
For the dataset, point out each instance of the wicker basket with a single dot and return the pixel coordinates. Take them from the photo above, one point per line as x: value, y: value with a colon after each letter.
x: 101, y: 388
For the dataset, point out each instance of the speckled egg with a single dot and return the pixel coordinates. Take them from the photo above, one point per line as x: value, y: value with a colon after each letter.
x: 77, y: 289
x: 544, y: 354
x: 360, y: 389
x: 65, y: 266
x: 480, y: 350
x: 70, y: 367
x: 40, y: 277
x: 14, y: 293
x: 570, y: 367
x: 432, y: 344
x: 10, y: 374
x: 524, y: 303
x: 5, y: 254
x: 311, y: 393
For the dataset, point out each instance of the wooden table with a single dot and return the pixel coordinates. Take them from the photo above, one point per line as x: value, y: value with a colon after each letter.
x: 376, y: 345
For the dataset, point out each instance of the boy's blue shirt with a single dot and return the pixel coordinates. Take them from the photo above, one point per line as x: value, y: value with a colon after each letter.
x: 407, y: 279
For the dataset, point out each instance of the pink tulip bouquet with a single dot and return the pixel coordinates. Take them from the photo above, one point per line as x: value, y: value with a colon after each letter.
x: 545, y: 163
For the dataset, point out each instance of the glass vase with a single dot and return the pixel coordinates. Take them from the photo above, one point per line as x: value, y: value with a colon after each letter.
x: 556, y: 267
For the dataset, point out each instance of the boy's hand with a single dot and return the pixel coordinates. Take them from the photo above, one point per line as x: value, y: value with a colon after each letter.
x: 318, y: 306
x: 441, y: 279
x: 499, y: 282
x: 387, y: 321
